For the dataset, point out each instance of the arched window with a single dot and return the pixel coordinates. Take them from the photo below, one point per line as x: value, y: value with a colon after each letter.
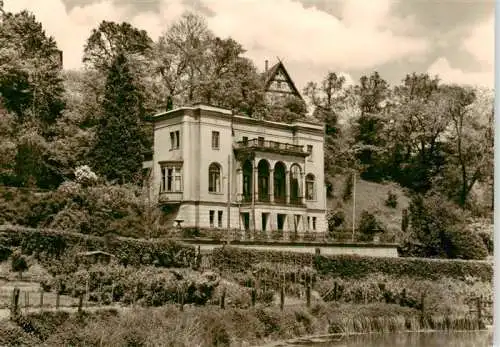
x: 310, y: 191
x: 214, y: 184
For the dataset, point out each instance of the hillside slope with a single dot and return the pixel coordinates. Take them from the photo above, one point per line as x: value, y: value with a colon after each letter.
x: 370, y: 197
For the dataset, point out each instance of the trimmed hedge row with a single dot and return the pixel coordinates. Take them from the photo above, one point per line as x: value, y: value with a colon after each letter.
x: 128, y: 251
x: 353, y: 266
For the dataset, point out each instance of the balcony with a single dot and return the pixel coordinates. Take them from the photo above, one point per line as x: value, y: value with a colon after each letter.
x: 277, y: 200
x: 170, y: 197
x: 270, y: 146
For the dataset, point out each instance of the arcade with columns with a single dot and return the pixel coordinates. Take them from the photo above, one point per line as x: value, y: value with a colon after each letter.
x: 272, y: 190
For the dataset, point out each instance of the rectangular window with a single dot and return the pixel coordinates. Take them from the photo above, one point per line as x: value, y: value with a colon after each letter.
x: 171, y: 179
x: 219, y: 218
x: 309, y: 190
x: 178, y: 181
x: 215, y: 139
x: 261, y: 141
x: 175, y: 139
x: 314, y: 223
x: 245, y: 140
x: 162, y: 184
x: 212, y: 216
x: 308, y: 223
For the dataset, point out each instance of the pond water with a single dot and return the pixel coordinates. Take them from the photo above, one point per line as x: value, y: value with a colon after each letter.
x: 425, y: 339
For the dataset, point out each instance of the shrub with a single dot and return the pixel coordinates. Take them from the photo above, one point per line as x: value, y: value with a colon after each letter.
x: 463, y: 244
x: 335, y: 219
x: 53, y: 244
x: 19, y: 263
x: 487, y: 240
x: 5, y: 253
x: 432, y: 217
x: 368, y: 226
x: 353, y: 266
x: 392, y: 200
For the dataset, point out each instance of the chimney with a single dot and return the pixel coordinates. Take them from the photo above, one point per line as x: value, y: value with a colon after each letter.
x: 267, y: 64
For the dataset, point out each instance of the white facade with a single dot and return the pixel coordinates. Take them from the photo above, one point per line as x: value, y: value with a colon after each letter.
x: 206, y: 160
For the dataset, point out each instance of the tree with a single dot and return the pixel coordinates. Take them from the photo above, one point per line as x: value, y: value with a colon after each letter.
x: 19, y: 263
x: 195, y: 66
x: 415, y: 150
x: 120, y: 145
x: 286, y: 109
x: 471, y: 141
x: 179, y: 55
x: 331, y: 102
x: 110, y: 40
x: 373, y: 94
x: 30, y: 81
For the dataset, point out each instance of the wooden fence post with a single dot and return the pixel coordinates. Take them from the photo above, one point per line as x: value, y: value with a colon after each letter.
x: 282, y: 298
x: 308, y: 295
x: 100, y: 294
x: 87, y: 294
x: 422, y: 308
x: 80, y: 303
x: 26, y: 300
x: 57, y: 299
x: 254, y: 296
x: 223, y: 299
x: 41, y: 298
x: 479, y: 308
x: 14, y: 310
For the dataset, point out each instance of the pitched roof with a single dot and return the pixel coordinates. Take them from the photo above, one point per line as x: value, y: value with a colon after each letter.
x: 271, y: 73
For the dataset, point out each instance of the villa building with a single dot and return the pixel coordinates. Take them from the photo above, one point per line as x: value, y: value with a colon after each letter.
x: 216, y: 169
x: 212, y: 168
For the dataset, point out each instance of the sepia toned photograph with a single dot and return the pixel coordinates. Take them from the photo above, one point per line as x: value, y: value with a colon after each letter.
x: 237, y: 173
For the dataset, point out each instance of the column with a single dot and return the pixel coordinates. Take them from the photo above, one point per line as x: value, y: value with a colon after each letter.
x: 302, y: 188
x: 239, y: 183
x: 256, y: 182
x: 287, y: 185
x: 271, y: 186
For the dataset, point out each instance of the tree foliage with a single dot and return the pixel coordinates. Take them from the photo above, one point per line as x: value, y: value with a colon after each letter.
x: 119, y: 146
x: 193, y: 65
x: 30, y: 80
x: 111, y: 39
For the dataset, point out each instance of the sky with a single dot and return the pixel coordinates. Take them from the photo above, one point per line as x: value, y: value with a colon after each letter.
x: 453, y: 39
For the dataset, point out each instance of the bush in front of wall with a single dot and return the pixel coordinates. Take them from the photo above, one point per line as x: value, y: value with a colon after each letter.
x: 462, y: 244
x: 353, y: 266
x: 53, y: 244
x: 335, y: 219
x: 369, y: 226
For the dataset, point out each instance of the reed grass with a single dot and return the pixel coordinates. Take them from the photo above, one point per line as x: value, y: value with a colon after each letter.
x: 210, y: 326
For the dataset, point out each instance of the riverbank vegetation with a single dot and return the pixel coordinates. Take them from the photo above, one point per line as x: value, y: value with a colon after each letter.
x: 211, y: 326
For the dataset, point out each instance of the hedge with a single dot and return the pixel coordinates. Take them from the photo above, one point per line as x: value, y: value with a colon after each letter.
x: 354, y: 266
x: 128, y: 251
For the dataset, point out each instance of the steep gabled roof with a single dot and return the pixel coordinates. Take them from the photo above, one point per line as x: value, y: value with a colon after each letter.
x: 273, y: 71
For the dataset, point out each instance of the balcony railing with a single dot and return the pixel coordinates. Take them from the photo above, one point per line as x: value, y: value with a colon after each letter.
x: 270, y: 146
x: 170, y: 197
x: 277, y: 200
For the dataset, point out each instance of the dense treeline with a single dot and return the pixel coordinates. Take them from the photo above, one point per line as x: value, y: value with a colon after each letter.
x: 434, y: 139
